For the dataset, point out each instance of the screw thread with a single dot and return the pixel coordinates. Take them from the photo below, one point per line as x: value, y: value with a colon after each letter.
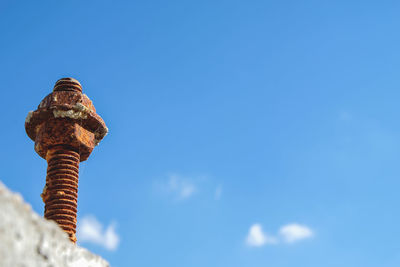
x: 60, y: 194
x: 67, y: 84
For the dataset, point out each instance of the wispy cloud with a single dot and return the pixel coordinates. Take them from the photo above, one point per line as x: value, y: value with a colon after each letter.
x: 91, y: 230
x: 257, y: 238
x: 289, y: 233
x: 179, y: 186
x: 294, y: 232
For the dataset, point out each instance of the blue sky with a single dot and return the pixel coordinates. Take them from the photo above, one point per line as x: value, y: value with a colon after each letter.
x: 242, y: 133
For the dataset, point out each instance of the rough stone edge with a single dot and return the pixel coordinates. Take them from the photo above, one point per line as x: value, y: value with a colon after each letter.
x: 45, y: 245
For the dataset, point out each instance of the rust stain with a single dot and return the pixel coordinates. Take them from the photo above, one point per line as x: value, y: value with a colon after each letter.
x: 65, y: 129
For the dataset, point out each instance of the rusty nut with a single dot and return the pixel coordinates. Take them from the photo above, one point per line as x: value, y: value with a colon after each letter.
x: 65, y: 117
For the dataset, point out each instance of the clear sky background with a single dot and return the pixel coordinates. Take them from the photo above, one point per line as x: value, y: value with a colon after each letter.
x: 242, y: 133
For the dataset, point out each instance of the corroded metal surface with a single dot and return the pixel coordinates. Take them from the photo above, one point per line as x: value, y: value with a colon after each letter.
x: 66, y: 104
x: 65, y: 129
x: 61, y: 191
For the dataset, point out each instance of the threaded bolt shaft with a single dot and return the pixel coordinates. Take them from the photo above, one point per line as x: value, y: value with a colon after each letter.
x: 65, y: 128
x: 61, y: 191
x: 67, y: 84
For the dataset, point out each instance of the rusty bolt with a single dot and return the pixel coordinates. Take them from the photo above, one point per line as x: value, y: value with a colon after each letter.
x: 65, y: 129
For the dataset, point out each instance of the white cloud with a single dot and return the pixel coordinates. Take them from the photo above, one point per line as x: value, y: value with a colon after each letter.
x: 257, y: 238
x: 91, y: 230
x: 218, y: 192
x: 295, y: 232
x: 181, y: 187
x: 289, y: 233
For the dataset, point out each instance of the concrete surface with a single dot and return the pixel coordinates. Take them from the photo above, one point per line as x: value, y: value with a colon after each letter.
x: 28, y: 240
